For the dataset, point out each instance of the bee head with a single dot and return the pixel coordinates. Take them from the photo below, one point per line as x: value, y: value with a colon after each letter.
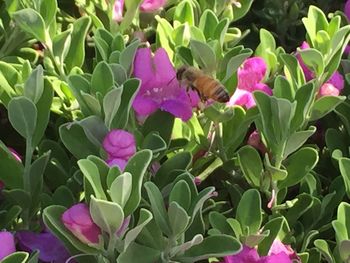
x: 180, y: 71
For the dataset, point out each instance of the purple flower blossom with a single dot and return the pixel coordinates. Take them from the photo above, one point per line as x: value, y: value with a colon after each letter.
x: 7, y: 244
x: 254, y: 140
x: 117, y: 12
x: 278, y: 253
x: 78, y: 220
x: 51, y: 249
x: 347, y: 9
x: 120, y: 145
x: 152, y: 5
x: 159, y: 87
x: 250, y: 77
x: 15, y: 154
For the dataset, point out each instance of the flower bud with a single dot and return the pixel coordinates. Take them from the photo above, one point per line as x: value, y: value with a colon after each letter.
x: 328, y: 89
x: 120, y: 145
x: 78, y: 220
x: 7, y: 244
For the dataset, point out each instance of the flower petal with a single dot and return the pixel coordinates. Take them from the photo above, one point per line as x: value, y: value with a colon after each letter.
x: 121, y: 163
x: 178, y: 108
x: 144, y: 105
x: 242, y: 98
x: 151, y: 5
x: 7, y: 244
x: 337, y: 80
x: 51, y: 249
x: 143, y: 66
x: 252, y: 71
x: 165, y: 70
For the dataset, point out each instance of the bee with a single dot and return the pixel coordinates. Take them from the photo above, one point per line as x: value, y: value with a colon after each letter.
x: 206, y: 86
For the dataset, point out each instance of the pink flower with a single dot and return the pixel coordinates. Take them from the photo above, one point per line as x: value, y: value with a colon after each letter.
x: 7, y: 244
x: 250, y: 77
x: 278, y: 247
x: 152, y: 5
x: 252, y: 72
x: 117, y: 13
x: 120, y: 145
x: 328, y: 89
x: 337, y: 80
x: 160, y: 88
x: 255, y: 141
x: 78, y: 220
x: 247, y: 255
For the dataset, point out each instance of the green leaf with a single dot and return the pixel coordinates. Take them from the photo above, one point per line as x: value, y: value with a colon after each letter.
x: 91, y: 173
x: 119, y: 73
x: 48, y: 9
x: 11, y: 170
x: 293, y: 71
x: 184, y: 13
x: 158, y: 208
x: 297, y: 139
x: 43, y: 112
x: 164, y: 130
x: 155, y: 143
x: 274, y: 226
x: 120, y: 189
x: 212, y: 246
x: 23, y: 115
x: 144, y: 218
x: 207, y: 62
x: 243, y: 10
x: 75, y: 140
x: 34, y: 85
x: 344, y: 166
x: 127, y: 56
x: 219, y: 222
x: 94, y: 129
x: 324, y: 249
x: 61, y: 44
x: 249, y: 211
x: 314, y: 59
x: 180, y: 161
x: 31, y: 22
x: 253, y: 173
x: 207, y: 23
x: 178, y: 219
x: 181, y: 194
x: 102, y: 78
x: 298, y: 165
x: 17, y: 257
x: 137, y: 167
x: 325, y: 105
x: 130, y: 89
x: 107, y: 215
x: 36, y: 174
x: 135, y: 251
x: 76, y: 54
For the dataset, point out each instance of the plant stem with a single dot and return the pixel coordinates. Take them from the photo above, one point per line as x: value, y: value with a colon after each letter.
x: 111, y: 248
x: 26, y: 179
x: 220, y: 143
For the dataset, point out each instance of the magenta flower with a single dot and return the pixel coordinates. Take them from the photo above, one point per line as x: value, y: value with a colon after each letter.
x: 250, y: 77
x: 332, y: 87
x: 7, y: 244
x: 159, y: 87
x: 278, y: 247
x: 279, y: 253
x: 247, y: 255
x: 120, y: 145
x: 152, y: 5
x: 347, y: 9
x: 309, y: 75
x: 117, y: 12
x: 51, y: 249
x: 78, y: 220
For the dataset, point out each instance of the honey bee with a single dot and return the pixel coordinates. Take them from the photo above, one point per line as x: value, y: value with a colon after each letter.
x: 206, y: 86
